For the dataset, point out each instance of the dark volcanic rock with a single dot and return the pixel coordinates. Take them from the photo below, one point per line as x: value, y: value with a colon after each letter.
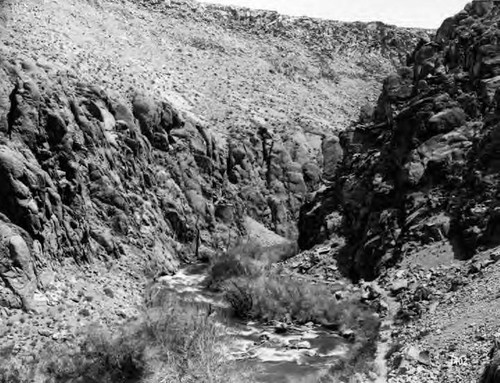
x: 426, y: 166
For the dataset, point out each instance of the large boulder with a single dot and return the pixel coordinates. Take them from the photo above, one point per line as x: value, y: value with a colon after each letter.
x: 17, y: 266
x: 332, y: 156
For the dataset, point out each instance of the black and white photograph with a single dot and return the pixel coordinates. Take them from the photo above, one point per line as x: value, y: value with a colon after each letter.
x: 249, y: 191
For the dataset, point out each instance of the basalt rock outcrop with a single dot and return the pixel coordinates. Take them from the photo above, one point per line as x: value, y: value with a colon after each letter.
x: 425, y: 165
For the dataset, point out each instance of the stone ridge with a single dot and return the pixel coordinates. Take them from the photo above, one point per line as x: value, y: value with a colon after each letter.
x: 325, y: 37
x: 329, y: 37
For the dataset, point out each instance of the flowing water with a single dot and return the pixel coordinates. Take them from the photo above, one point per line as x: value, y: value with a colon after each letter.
x: 279, y: 353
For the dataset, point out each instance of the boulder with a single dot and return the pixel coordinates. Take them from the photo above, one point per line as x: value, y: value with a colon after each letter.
x: 17, y: 267
x: 332, y: 156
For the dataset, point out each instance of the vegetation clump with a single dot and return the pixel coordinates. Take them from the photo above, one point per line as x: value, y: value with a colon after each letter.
x: 256, y: 290
x: 247, y: 259
x: 174, y: 341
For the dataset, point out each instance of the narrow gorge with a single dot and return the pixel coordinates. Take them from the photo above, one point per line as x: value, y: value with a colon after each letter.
x: 333, y: 185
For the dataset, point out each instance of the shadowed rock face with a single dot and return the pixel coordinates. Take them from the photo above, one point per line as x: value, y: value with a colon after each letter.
x: 426, y: 167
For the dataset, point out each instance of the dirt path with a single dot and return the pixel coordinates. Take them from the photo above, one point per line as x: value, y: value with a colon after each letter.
x: 385, y: 340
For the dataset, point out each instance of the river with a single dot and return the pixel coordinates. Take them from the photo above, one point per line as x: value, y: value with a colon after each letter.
x: 279, y: 353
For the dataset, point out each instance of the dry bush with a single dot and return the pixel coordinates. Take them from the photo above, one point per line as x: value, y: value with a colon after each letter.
x: 188, y: 344
x: 206, y: 44
x: 241, y: 260
x: 247, y: 259
x: 100, y: 358
x: 174, y: 342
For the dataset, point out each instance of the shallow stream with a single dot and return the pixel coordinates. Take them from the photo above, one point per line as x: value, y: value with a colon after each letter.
x: 279, y: 353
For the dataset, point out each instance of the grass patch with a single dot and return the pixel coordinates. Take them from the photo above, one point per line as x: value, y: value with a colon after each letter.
x: 172, y: 342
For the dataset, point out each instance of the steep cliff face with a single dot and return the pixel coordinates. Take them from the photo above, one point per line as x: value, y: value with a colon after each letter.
x: 82, y: 173
x: 424, y: 167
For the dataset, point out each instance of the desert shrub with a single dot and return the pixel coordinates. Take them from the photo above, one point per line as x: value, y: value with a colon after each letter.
x: 206, y: 44
x: 247, y: 259
x: 187, y: 343
x: 174, y: 341
x: 100, y: 358
x: 240, y: 299
x: 230, y: 266
x: 241, y: 260
x: 274, y: 297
